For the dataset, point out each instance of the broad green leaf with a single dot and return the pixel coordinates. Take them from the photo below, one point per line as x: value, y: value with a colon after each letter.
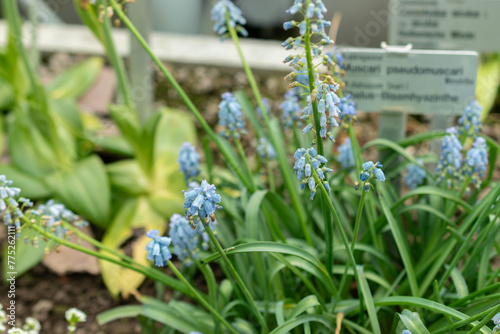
x: 85, y: 189
x: 305, y: 304
x: 167, y: 182
x: 28, y: 149
x: 127, y: 177
x: 459, y: 282
x: 31, y: 187
x: 69, y: 115
x: 7, y: 94
x: 488, y: 79
x: 135, y: 213
x: 413, y: 323
x: 76, y: 80
x: 116, y: 145
x: 128, y: 123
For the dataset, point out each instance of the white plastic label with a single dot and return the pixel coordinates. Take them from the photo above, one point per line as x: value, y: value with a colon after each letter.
x: 413, y: 81
x: 445, y: 24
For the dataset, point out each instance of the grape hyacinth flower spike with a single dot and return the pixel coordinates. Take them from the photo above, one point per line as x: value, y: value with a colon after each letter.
x: 415, y: 175
x: 470, y: 121
x: 307, y: 160
x: 450, y: 162
x: 476, y: 161
x: 184, y: 239
x: 496, y: 321
x: 347, y: 110
x: 201, y: 202
x: 224, y: 14
x: 291, y: 109
x: 230, y: 116
x: 265, y: 150
x: 370, y: 170
x: 346, y: 155
x: 157, y: 248
x: 189, y: 161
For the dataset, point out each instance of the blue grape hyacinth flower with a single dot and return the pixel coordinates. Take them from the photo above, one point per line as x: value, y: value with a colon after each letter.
x: 201, y: 202
x: 496, y: 321
x: 307, y: 160
x: 185, y: 240
x: 348, y: 110
x: 470, y: 121
x: 157, y: 248
x: 291, y: 109
x: 224, y: 14
x: 370, y: 170
x: 415, y: 175
x: 189, y: 161
x: 265, y: 150
x: 230, y: 116
x: 476, y: 161
x: 451, y: 158
x: 346, y: 155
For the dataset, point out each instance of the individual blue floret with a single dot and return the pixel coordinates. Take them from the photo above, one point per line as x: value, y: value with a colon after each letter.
x: 470, y: 121
x: 201, y: 202
x: 415, y: 175
x: 230, y: 116
x: 291, y: 109
x: 451, y: 158
x: 307, y: 160
x: 189, y: 161
x: 184, y: 239
x: 157, y: 248
x: 220, y: 13
x: 346, y: 155
x: 265, y: 150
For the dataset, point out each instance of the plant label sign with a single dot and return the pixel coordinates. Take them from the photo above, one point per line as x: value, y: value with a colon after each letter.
x: 445, y: 24
x: 412, y: 81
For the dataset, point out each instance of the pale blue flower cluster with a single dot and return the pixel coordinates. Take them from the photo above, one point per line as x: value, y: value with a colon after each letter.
x: 52, y: 214
x: 230, y: 116
x: 405, y: 331
x: 201, y: 202
x: 184, y: 239
x: 496, y: 321
x: 415, y: 175
x: 346, y: 156
x: 8, y: 202
x: 370, y: 170
x: 201, y: 230
x: 334, y: 60
x: 476, y: 160
x: 291, y: 109
x: 224, y: 14
x: 451, y: 158
x: 267, y: 105
x: 157, y: 248
x: 470, y: 121
x: 327, y: 108
x: 189, y: 161
x: 265, y: 150
x: 314, y: 11
x: 348, y: 110
x: 307, y: 160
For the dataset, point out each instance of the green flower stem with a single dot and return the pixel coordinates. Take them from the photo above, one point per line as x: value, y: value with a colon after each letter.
x: 339, y: 226
x: 237, y: 278
x: 282, y: 157
x: 129, y: 263
x: 353, y: 243
x: 310, y: 73
x: 117, y: 62
x: 213, y: 136
x: 243, y: 157
x: 355, y: 148
x: 200, y: 299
